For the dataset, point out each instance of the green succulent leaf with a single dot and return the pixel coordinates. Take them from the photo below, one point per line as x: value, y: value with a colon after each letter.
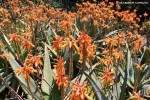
x: 126, y: 74
x: 48, y: 74
x: 55, y: 93
x: 15, y: 66
x: 99, y: 93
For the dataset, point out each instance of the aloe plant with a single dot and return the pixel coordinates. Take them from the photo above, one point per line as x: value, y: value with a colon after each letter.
x: 94, y: 53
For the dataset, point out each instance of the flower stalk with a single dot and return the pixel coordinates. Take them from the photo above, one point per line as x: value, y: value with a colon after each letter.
x: 71, y: 61
x: 137, y: 81
x: 84, y: 57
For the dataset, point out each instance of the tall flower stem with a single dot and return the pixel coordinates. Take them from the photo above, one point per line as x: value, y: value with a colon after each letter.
x: 32, y: 30
x: 62, y: 93
x: 17, y: 51
x: 84, y: 56
x: 137, y: 81
x: 116, y: 71
x: 71, y: 62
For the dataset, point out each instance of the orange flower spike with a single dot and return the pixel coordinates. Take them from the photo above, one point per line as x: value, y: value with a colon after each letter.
x: 110, y: 42
x: 118, y: 7
x: 136, y: 96
x: 60, y: 61
x: 91, y: 50
x: 61, y: 79
x: 66, y: 25
x: 60, y: 64
x: 27, y: 35
x: 28, y: 45
x: 85, y: 42
x: 66, y: 42
x: 138, y: 44
x: 102, y: 4
x: 107, y: 61
x: 34, y: 60
x: 107, y: 76
x: 145, y: 14
x: 57, y: 43
x: 70, y: 42
x: 84, y: 19
x: 139, y: 67
x: 95, y: 23
x: 118, y: 55
x: 111, y: 4
x: 5, y: 56
x: 26, y: 70
x: 78, y: 90
x: 105, y: 52
x: 130, y: 35
x: 19, y: 71
x: 73, y: 43
x: 120, y: 39
x: 84, y: 38
x: 14, y: 37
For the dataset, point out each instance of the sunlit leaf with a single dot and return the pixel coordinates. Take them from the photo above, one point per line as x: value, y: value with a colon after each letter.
x: 15, y: 66
x: 47, y: 73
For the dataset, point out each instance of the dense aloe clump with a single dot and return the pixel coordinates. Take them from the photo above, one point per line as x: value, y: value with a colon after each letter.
x: 95, y: 52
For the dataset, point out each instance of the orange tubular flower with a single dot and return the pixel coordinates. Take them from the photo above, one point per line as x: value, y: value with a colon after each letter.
x: 26, y: 70
x: 105, y: 52
x: 14, y: 37
x: 120, y: 39
x: 61, y: 79
x: 70, y: 42
x: 130, y: 35
x: 60, y: 64
x: 28, y: 45
x: 91, y: 50
x: 136, y: 96
x: 27, y: 36
x: 145, y: 14
x: 107, y: 76
x: 66, y: 25
x: 34, y: 60
x: 138, y: 44
x: 57, y: 43
x: 118, y: 55
x: 85, y: 42
x: 107, y: 61
x: 5, y: 56
x: 67, y: 22
x: 84, y: 38
x: 95, y: 23
x: 78, y: 90
x: 110, y: 42
x: 84, y: 19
